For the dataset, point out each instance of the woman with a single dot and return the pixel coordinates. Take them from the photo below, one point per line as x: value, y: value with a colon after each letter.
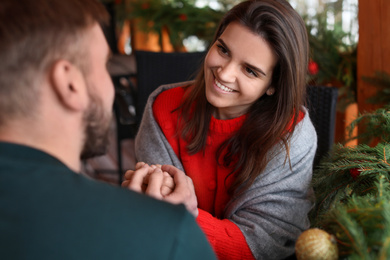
x: 241, y: 133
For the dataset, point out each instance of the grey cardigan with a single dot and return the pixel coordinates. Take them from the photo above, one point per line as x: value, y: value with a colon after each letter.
x: 272, y: 213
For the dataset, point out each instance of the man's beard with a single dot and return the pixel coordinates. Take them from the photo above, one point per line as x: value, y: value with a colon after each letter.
x: 97, y: 125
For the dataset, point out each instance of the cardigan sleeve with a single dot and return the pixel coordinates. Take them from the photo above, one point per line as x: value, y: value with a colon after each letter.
x: 224, y: 236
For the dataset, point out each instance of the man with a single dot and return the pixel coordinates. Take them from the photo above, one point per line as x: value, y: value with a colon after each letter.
x: 55, y: 106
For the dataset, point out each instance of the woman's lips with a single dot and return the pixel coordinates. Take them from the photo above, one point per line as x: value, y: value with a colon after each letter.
x: 222, y: 87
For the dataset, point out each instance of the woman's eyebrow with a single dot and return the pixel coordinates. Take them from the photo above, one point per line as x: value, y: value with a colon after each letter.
x: 252, y: 67
x: 224, y: 44
x: 256, y: 69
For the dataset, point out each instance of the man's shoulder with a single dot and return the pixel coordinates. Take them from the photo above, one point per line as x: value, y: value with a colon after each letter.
x: 65, y: 212
x: 57, y: 209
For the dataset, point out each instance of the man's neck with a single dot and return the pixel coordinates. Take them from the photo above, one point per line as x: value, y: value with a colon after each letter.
x: 56, y: 143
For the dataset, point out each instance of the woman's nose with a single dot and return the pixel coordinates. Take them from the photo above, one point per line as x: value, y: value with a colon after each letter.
x: 227, y: 72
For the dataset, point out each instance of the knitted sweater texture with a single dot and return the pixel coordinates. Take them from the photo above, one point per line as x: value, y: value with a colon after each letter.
x: 265, y: 221
x: 208, y: 177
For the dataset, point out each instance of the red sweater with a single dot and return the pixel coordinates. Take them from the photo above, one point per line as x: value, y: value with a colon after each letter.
x: 208, y: 177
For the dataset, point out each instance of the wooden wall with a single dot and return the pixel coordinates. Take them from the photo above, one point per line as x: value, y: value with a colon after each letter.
x: 373, y: 47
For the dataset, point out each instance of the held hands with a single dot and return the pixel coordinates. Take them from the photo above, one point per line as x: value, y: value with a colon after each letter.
x: 163, y: 182
x: 149, y: 180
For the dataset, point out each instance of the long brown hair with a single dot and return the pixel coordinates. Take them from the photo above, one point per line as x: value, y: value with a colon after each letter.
x: 269, y: 117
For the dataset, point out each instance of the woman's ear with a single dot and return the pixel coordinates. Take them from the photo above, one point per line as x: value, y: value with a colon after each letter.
x: 69, y: 85
x: 270, y: 91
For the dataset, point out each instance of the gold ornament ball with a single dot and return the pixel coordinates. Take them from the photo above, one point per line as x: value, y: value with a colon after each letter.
x: 316, y: 244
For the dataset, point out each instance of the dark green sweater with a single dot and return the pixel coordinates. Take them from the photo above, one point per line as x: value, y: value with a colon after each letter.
x: 48, y: 211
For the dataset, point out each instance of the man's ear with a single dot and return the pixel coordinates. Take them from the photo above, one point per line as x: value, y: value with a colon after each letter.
x: 69, y: 85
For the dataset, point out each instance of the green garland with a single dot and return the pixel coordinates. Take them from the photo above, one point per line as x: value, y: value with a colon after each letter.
x: 336, y: 60
x: 361, y: 225
x: 181, y: 18
x: 352, y: 188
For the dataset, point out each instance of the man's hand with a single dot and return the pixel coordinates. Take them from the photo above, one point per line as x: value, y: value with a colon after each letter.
x: 163, y: 182
x: 184, y: 191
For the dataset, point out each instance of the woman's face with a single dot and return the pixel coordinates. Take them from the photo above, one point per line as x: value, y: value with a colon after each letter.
x: 238, y: 71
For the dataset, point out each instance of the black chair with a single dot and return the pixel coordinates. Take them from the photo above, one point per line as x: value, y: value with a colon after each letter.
x: 157, y: 68
x: 153, y: 69
x: 125, y: 114
x: 321, y: 102
x: 123, y: 72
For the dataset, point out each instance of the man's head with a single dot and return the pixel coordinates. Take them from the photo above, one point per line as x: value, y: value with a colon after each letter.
x: 39, y: 37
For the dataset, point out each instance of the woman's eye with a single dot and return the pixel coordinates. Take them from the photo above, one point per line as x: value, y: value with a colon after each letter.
x: 250, y: 71
x: 222, y: 49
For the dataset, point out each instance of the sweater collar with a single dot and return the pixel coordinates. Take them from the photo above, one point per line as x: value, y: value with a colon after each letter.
x: 226, y: 126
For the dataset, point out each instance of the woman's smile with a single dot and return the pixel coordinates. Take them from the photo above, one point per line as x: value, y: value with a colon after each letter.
x: 222, y: 87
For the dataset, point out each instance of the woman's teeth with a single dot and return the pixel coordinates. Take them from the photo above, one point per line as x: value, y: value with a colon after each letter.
x: 223, y: 87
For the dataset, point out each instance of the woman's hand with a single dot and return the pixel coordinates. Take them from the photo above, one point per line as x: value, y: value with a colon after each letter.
x: 142, y: 175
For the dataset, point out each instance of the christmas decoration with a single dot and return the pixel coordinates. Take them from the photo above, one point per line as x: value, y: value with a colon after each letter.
x: 336, y: 60
x: 352, y: 187
x: 316, y: 244
x: 376, y: 124
x: 181, y: 18
x: 361, y: 224
x: 354, y: 173
x: 313, y: 68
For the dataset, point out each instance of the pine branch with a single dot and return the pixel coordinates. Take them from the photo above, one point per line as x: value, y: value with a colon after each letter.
x: 361, y: 224
x: 334, y: 180
x: 352, y: 187
x: 377, y: 125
